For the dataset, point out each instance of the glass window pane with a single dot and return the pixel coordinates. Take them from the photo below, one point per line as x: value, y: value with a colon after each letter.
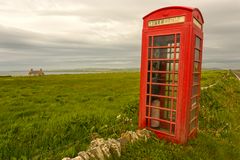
x: 178, y: 39
x: 147, y: 122
x: 193, y: 125
x: 195, y: 90
x: 196, y: 55
x: 196, y: 66
x: 174, y: 116
x: 170, y: 54
x: 150, y: 41
x: 164, y: 78
x: 161, y: 102
x: 168, y: 91
x: 197, y: 43
x: 148, y: 88
x: 167, y: 40
x: 169, y: 79
x: 193, y: 113
x: 158, y: 66
x: 156, y: 89
x: 161, y: 126
x: 194, y: 101
x: 174, y: 104
x: 155, y: 113
x: 164, y: 90
x: 178, y: 49
x: 196, y: 77
x: 149, y: 65
x: 167, y: 103
x: 158, y: 78
x: 157, y: 53
x: 162, y: 66
x: 147, y: 100
x: 173, y: 128
x: 177, y: 55
x: 165, y: 127
x: 165, y: 115
x: 149, y: 53
x: 176, y: 66
x: 155, y: 101
x: 155, y: 124
x: 175, y: 78
x: 169, y: 66
x: 148, y: 77
x: 147, y: 111
x: 174, y: 92
x: 163, y: 53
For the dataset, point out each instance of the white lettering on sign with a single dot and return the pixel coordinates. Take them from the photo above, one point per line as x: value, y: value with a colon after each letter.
x: 198, y: 24
x: 165, y: 21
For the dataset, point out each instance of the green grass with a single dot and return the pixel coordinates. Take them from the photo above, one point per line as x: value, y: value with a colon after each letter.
x: 209, y: 77
x: 52, y: 117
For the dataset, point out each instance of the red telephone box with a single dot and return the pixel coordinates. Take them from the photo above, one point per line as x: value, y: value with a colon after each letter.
x: 170, y: 72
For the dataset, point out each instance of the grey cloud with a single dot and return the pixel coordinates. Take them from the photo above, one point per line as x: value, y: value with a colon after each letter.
x: 25, y: 40
x: 99, y: 44
x: 35, y: 49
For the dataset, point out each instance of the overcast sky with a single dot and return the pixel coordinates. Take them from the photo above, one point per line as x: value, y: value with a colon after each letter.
x: 75, y: 34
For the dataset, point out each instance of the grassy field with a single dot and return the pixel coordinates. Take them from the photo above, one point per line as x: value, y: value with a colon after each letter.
x: 52, y: 117
x: 237, y: 72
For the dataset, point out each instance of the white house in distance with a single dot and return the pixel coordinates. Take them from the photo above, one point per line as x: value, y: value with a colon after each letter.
x: 36, y: 72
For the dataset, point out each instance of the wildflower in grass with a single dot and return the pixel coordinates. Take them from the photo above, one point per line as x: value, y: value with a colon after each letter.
x: 119, y: 117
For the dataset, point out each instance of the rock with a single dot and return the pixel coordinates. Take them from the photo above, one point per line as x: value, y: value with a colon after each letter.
x: 96, y: 142
x: 106, y: 150
x: 78, y: 158
x: 97, y: 152
x: 91, y: 156
x: 129, y: 136
x: 94, y: 136
x: 84, y: 155
x: 140, y: 133
x: 143, y: 132
x: 134, y: 136
x: 123, y: 141
x: 101, y: 144
x: 126, y: 136
x: 115, y: 147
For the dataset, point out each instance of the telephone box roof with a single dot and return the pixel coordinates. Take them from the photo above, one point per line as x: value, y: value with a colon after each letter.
x: 175, y: 7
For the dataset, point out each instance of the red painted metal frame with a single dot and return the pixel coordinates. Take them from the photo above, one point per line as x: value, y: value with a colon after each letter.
x: 188, y: 32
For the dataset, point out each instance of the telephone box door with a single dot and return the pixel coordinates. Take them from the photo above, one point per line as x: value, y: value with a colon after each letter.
x: 163, y: 55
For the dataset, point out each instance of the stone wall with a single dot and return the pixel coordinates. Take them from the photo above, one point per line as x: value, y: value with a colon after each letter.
x: 101, y: 149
